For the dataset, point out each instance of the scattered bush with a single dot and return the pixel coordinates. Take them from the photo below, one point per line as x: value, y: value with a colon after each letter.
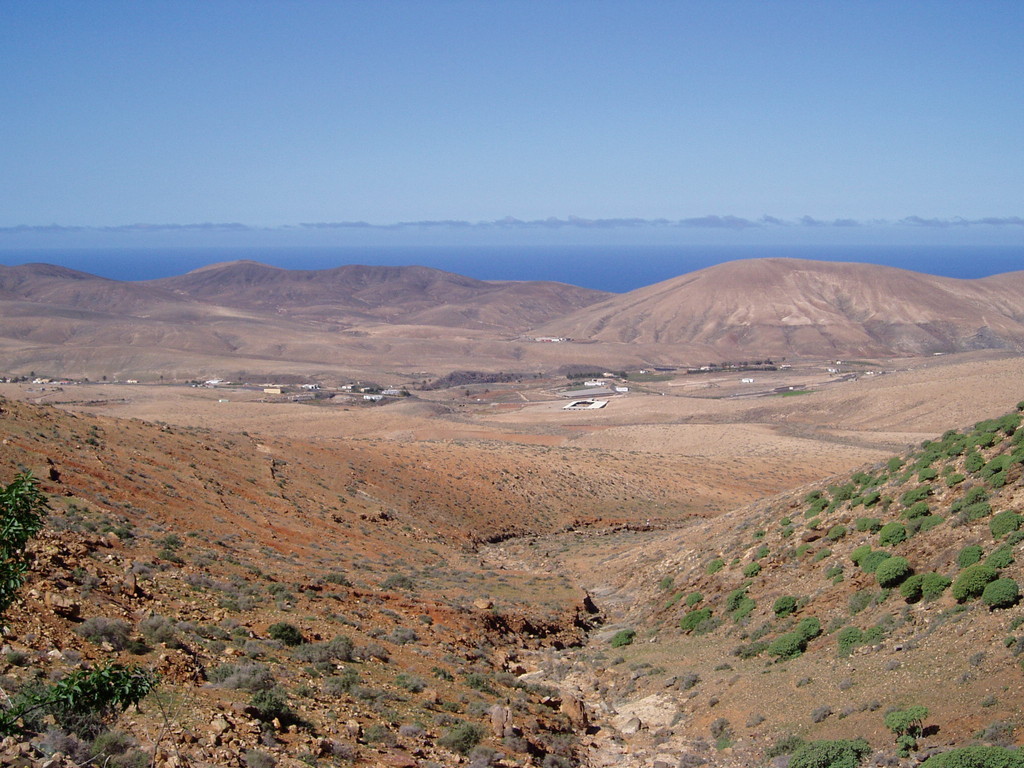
x: 969, y: 555
x: 462, y: 737
x: 891, y: 572
x: 859, y: 553
x: 1004, y: 522
x: 830, y: 754
x: 103, y: 630
x: 693, y: 598
x: 870, y: 563
x: 849, y: 638
x: 398, y: 581
x: 972, y: 581
x: 977, y: 757
x: 1001, y: 593
x: 695, y: 620
x: 715, y: 565
x: 784, y: 606
x: 934, y: 585
x: 623, y: 637
x: 892, y: 534
x: 751, y: 569
x: 1000, y: 558
x: 286, y: 633
x: 836, y: 532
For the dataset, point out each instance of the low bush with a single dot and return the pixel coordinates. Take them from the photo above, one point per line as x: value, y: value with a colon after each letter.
x: 694, y: 620
x: 715, y: 565
x: 830, y: 754
x: 969, y: 555
x: 103, y: 630
x: 693, y: 598
x: 784, y: 606
x: 1000, y: 558
x: 286, y: 633
x: 751, y: 569
x: 1001, y: 593
x: 972, y: 581
x: 977, y: 757
x: 891, y: 572
x: 870, y: 563
x: 847, y: 639
x: 892, y: 534
x: 1004, y: 522
x: 933, y: 585
x: 462, y: 737
x: 622, y: 637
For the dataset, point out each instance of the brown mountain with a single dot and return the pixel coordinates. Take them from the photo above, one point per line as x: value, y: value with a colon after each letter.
x: 404, y: 295
x: 797, y: 307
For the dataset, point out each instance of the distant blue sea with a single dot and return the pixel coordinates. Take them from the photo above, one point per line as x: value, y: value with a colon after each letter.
x: 608, y: 268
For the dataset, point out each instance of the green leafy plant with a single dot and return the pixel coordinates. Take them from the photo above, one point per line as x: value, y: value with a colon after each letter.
x: 82, y: 699
x: 969, y: 555
x: 22, y: 505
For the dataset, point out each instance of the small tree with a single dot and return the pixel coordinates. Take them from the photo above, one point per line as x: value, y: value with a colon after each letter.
x: 908, y: 725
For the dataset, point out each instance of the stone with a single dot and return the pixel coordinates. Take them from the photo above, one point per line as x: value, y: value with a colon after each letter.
x: 574, y: 708
x: 631, y: 726
x: 62, y: 605
x: 501, y: 721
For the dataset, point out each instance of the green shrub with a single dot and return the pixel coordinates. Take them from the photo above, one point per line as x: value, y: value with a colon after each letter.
x: 969, y: 555
x: 871, y: 498
x: 972, y: 580
x: 925, y: 524
x: 623, y: 637
x: 955, y: 479
x: 715, y: 565
x: 977, y: 757
x: 1001, y: 593
x: 270, y: 705
x: 894, y: 464
x: 859, y: 601
x: 978, y: 511
x: 859, y: 553
x: 870, y: 563
x: 892, y: 571
x: 694, y: 620
x: 808, y: 628
x: 1000, y: 558
x: 920, y: 509
x: 751, y: 569
x: 787, y: 646
x: 933, y: 585
x: 892, y: 534
x: 973, y: 461
x: 911, y: 588
x: 286, y: 633
x: 847, y: 639
x: 784, y: 606
x: 915, y: 495
x: 666, y: 583
x: 462, y: 737
x: 865, y: 524
x: 830, y: 754
x: 836, y: 532
x: 1004, y: 523
x: 693, y: 598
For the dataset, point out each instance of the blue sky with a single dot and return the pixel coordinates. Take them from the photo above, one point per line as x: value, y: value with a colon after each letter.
x: 272, y: 115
